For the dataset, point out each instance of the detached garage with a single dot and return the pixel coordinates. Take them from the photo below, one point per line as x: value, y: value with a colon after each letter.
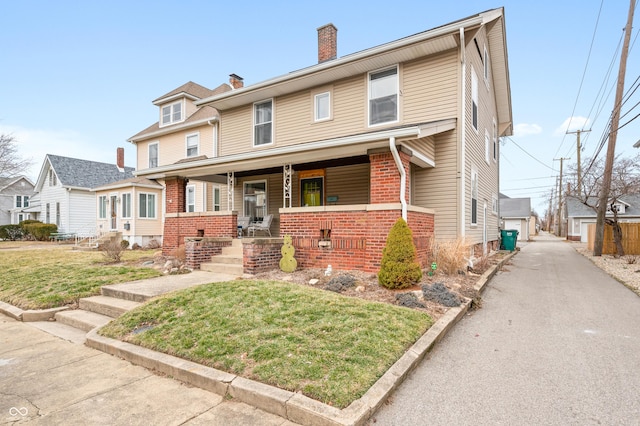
x: 515, y: 213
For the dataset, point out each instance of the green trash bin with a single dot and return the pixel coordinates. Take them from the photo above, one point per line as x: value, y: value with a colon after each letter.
x: 508, y: 239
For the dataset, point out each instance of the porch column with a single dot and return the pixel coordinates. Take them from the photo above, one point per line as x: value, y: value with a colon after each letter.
x: 385, y: 178
x: 175, y: 194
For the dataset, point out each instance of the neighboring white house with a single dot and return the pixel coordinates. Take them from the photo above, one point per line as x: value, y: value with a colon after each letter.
x: 580, y: 215
x: 15, y: 195
x: 64, y: 195
x: 515, y: 213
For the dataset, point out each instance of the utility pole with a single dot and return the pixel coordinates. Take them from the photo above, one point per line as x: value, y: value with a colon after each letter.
x: 579, y: 148
x: 611, y: 148
x: 559, y: 225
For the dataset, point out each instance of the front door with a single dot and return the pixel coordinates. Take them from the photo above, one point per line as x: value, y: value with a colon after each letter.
x: 114, y: 212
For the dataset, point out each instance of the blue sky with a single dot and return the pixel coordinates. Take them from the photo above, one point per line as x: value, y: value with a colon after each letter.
x: 77, y: 78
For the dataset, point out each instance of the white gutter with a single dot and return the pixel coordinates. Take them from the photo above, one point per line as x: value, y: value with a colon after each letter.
x: 403, y: 175
x: 463, y: 134
x: 171, y: 129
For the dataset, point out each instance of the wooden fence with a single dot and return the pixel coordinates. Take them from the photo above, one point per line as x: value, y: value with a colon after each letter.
x: 630, y: 238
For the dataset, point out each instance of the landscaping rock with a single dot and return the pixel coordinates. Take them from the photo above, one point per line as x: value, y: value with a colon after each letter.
x: 341, y: 283
x: 408, y: 300
x: 440, y: 294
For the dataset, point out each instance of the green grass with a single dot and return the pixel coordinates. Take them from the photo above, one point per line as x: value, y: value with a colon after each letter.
x: 46, y: 278
x: 330, y: 347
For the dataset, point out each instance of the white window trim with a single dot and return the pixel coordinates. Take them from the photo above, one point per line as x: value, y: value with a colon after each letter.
x: 216, y: 188
x: 397, y: 67
x: 315, y: 107
x: 130, y: 205
x: 171, y: 120
x: 186, y: 144
x: 157, y: 144
x: 495, y: 141
x: 253, y: 128
x: 266, y: 192
x: 474, y: 171
x: 189, y: 188
x: 486, y: 69
x: 155, y: 207
x: 102, y: 201
x: 487, y: 147
x: 494, y: 204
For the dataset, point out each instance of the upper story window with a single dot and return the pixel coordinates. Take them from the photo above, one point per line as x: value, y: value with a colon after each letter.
x: 474, y: 99
x: 171, y: 113
x: 487, y: 146
x: 322, y: 106
x: 22, y: 201
x: 486, y: 65
x: 53, y: 179
x: 263, y: 123
x: 383, y: 96
x: 153, y: 155
x: 495, y: 140
x: 193, y: 145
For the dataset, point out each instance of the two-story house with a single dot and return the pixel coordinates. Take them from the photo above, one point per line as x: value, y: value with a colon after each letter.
x: 336, y: 152
x: 15, y: 194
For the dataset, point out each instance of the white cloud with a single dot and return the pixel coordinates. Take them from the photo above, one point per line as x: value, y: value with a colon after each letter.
x: 572, y: 124
x: 526, y: 129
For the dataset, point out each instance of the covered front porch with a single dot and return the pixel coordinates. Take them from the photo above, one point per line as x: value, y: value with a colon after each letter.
x: 338, y: 208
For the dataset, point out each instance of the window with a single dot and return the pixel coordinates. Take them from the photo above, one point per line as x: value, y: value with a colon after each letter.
x: 22, y: 201
x: 126, y: 205
x: 53, y: 179
x: 216, y: 198
x: 255, y: 199
x: 474, y: 99
x: 171, y: 113
x: 263, y: 123
x: 58, y: 214
x: 147, y: 206
x: 474, y: 197
x: 193, y: 144
x: 191, y: 198
x: 383, y: 96
x: 494, y: 203
x: 495, y: 140
x: 486, y: 65
x: 23, y: 216
x: 487, y: 146
x: 153, y: 155
x: 322, y: 104
x: 47, y: 217
x: 102, y: 207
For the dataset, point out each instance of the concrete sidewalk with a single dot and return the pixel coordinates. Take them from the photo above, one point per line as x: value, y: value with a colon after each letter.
x: 46, y: 380
x: 556, y: 342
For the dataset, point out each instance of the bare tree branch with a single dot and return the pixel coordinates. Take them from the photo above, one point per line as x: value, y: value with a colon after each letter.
x: 11, y: 164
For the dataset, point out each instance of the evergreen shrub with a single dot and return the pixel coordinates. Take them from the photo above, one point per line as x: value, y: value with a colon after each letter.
x: 399, y: 268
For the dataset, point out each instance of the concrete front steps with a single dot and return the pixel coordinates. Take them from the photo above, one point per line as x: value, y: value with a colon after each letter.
x: 94, y: 311
x: 229, y: 262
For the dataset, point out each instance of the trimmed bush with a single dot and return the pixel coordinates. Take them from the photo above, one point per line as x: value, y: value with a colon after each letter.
x: 40, y: 231
x: 11, y: 232
x: 399, y: 268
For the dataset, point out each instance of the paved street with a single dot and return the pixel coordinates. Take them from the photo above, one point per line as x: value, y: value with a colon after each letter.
x: 557, y: 342
x: 45, y: 380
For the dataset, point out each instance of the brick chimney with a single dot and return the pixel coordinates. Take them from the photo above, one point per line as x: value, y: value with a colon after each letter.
x: 327, y: 43
x: 236, y: 81
x: 120, y: 159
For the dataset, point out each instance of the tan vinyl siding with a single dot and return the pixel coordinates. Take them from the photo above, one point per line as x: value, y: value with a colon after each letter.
x: 349, y: 183
x: 424, y: 146
x: 173, y: 147
x: 430, y: 88
x: 437, y: 188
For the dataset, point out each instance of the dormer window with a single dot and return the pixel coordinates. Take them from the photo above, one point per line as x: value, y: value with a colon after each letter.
x: 171, y: 113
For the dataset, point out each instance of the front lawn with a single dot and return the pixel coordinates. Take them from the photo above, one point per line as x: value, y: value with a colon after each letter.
x: 45, y: 278
x: 330, y: 347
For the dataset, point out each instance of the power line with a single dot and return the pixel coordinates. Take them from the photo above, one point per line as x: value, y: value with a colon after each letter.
x: 523, y: 150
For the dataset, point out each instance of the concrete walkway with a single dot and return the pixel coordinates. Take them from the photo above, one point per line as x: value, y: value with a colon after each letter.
x: 556, y: 342
x: 45, y: 380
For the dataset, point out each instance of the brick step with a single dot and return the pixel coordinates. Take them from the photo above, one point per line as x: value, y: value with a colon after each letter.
x: 236, y: 270
x: 82, y: 320
x: 108, y: 306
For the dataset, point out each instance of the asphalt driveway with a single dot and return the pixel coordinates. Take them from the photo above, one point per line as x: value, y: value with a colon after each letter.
x: 557, y: 342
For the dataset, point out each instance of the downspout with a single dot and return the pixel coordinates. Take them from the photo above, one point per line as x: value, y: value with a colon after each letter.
x: 463, y: 134
x: 403, y: 175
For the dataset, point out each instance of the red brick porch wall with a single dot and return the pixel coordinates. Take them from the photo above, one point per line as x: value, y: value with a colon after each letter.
x: 178, y: 226
x: 356, y: 238
x: 201, y: 250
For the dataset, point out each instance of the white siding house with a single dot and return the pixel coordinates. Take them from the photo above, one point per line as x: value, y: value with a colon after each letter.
x: 15, y: 196
x: 63, y: 192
